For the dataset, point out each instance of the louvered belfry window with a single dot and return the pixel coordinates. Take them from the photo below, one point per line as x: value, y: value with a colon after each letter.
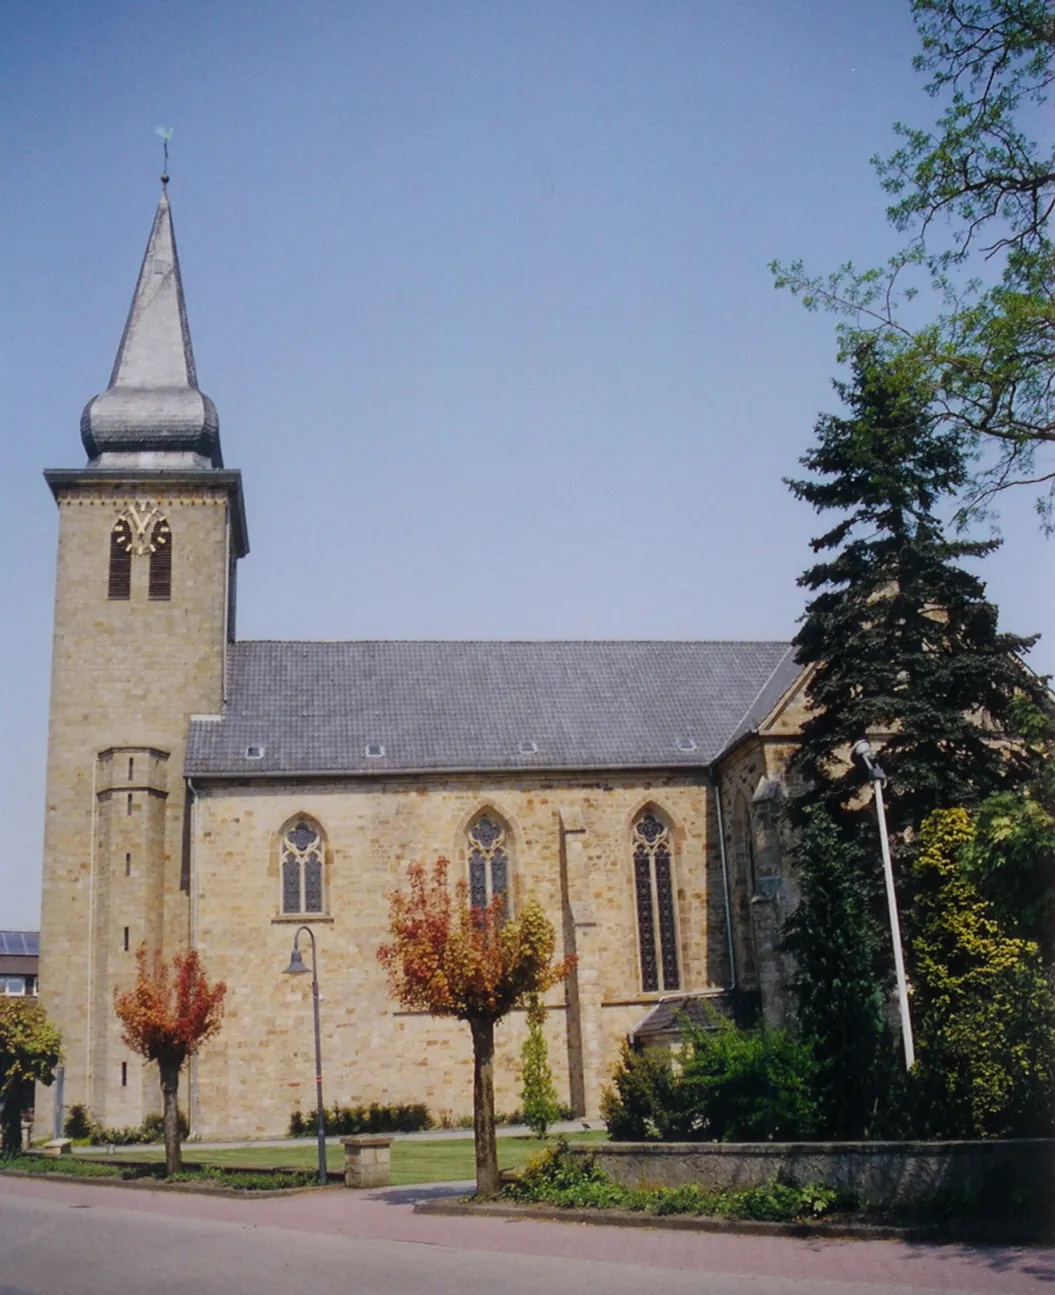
x: 120, y: 583
x: 656, y: 914
x: 161, y: 560
x: 302, y: 855
x: 488, y: 862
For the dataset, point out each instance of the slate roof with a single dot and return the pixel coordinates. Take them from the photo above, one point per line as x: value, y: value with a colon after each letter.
x: 20, y: 944
x: 299, y: 708
x: 669, y: 1014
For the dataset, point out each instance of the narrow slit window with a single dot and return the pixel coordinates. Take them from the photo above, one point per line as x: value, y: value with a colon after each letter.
x: 127, y: 938
x: 303, y: 851
x: 654, y: 892
x: 160, y: 584
x: 488, y: 862
x: 131, y: 804
x: 124, y: 1074
x: 128, y: 865
x: 131, y: 768
x: 120, y: 584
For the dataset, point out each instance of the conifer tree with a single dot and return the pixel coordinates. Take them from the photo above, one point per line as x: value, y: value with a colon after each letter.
x: 538, y: 1097
x: 902, y: 639
x: 903, y: 645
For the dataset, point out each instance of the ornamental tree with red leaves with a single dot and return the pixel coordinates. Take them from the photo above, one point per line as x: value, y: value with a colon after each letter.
x: 450, y: 959
x: 166, y: 1017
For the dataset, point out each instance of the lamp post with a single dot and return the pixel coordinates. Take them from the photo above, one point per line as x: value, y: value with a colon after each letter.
x: 297, y: 968
x: 863, y: 750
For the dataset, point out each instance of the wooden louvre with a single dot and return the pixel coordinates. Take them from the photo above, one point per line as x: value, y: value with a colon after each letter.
x: 161, y: 560
x: 120, y: 583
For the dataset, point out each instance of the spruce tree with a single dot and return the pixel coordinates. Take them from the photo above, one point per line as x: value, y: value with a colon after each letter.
x: 901, y: 638
x: 903, y: 645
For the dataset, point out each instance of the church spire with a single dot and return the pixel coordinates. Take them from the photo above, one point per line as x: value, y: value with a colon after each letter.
x: 152, y: 414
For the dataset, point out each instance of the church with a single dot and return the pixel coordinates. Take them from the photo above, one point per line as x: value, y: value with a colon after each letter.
x: 212, y: 792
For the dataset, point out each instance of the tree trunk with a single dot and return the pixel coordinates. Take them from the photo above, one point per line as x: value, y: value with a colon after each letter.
x: 169, y: 1094
x: 11, y: 1122
x: 487, y: 1182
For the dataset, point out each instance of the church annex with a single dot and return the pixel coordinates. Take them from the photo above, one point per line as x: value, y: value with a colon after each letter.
x: 207, y: 791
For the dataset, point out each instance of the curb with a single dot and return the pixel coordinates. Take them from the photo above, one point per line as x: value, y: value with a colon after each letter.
x: 159, y: 1185
x: 849, y: 1230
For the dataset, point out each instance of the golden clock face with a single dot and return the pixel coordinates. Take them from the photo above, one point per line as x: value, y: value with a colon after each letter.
x: 123, y: 536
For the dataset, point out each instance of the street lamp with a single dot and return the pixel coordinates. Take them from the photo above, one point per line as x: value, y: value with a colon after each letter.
x: 863, y: 750
x: 297, y: 968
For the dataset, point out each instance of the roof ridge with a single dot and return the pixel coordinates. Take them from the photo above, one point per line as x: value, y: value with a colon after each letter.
x: 590, y: 642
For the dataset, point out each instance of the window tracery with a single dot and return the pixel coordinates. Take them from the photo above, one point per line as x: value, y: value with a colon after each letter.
x: 140, y: 530
x: 302, y: 854
x: 656, y: 910
x: 488, y: 861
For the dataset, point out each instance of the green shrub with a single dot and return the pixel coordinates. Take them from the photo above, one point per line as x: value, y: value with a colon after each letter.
x: 745, y: 1085
x: 538, y: 1096
x: 151, y: 1130
x: 345, y: 1121
x: 79, y: 1123
x: 556, y: 1177
x: 725, y: 1085
x: 643, y: 1100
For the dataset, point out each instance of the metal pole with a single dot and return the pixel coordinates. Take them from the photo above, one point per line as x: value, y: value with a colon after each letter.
x: 895, y: 927
x: 320, y: 1119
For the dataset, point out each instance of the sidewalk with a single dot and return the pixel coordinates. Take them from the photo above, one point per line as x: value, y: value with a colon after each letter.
x: 570, y: 1127
x: 388, y: 1215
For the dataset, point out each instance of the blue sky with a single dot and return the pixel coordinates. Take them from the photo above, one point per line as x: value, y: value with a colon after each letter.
x: 480, y: 292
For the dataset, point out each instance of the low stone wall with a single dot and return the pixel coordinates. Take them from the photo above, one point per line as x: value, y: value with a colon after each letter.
x: 885, y: 1173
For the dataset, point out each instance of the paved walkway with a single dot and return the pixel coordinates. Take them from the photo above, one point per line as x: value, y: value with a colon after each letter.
x: 569, y: 1127
x: 388, y: 1215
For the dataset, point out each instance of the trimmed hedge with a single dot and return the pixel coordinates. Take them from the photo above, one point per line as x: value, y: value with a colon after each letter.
x: 344, y: 1121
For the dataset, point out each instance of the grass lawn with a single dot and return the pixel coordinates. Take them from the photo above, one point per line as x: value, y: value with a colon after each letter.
x: 414, y: 1160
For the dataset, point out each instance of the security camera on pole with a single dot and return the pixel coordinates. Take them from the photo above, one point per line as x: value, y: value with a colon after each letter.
x: 863, y: 751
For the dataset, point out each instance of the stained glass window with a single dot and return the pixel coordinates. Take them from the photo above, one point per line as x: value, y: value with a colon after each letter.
x: 488, y: 862
x: 657, y: 923
x: 303, y: 850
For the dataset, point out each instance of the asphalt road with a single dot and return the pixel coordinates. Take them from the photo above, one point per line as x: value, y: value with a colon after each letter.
x: 62, y: 1239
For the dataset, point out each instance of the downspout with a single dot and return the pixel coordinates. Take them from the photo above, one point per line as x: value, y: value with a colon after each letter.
x: 192, y: 811
x: 91, y: 937
x: 716, y: 783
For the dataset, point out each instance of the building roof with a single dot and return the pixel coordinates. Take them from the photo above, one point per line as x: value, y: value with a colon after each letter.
x: 20, y: 944
x: 382, y: 707
x: 670, y: 1014
x: 152, y: 414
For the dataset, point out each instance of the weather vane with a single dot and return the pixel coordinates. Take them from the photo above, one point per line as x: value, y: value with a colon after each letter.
x: 165, y: 133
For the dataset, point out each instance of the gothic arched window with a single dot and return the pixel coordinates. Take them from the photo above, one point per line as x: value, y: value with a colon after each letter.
x: 488, y: 861
x: 161, y: 560
x: 302, y: 853
x: 120, y: 584
x: 656, y: 917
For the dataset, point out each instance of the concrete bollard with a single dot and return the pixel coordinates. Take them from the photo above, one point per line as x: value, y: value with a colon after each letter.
x: 367, y: 1160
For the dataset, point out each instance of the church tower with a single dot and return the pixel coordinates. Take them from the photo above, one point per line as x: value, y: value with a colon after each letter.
x: 149, y: 534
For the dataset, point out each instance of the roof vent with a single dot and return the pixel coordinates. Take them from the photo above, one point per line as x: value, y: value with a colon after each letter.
x: 685, y: 744
x: 254, y: 752
x: 374, y: 750
x: 527, y: 747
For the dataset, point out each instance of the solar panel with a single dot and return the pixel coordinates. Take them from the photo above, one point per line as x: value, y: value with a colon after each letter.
x: 24, y: 944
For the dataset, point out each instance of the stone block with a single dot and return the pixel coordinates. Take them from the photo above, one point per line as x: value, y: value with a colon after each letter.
x: 58, y: 1147
x: 367, y: 1160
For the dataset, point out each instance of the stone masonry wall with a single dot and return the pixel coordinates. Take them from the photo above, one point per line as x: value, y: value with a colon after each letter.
x: 127, y: 675
x: 260, y: 1067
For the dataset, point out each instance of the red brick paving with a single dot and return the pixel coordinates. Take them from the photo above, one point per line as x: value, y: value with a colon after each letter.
x: 1006, y: 1269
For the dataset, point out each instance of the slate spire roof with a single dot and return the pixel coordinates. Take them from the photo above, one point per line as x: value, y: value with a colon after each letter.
x: 152, y: 414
